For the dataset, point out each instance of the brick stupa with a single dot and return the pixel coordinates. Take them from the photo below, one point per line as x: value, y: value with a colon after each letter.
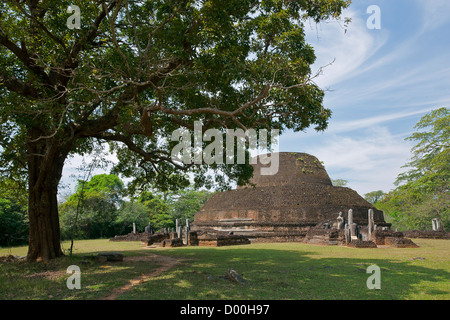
x: 284, y: 206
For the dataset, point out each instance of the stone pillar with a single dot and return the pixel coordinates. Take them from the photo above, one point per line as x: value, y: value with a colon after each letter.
x: 134, y: 228
x: 436, y: 224
x: 350, y: 217
x: 352, y: 226
x: 371, y: 223
x: 354, y: 231
x: 347, y: 234
x: 178, y: 228
x: 188, y: 228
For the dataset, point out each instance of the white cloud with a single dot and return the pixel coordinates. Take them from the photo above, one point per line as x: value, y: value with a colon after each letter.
x: 408, y: 83
x: 400, y: 69
x: 347, y: 126
x: 348, y: 49
x: 385, y: 94
x: 370, y: 161
x: 435, y: 14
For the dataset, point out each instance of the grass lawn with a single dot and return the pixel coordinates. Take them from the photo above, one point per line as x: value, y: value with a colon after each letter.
x: 272, y: 271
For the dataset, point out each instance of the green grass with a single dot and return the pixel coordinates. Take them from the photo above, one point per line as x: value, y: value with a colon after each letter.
x: 272, y: 270
x: 47, y: 280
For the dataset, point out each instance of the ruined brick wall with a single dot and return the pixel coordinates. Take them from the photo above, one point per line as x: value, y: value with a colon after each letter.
x: 222, y: 240
x: 379, y: 236
x: 193, y: 238
x: 293, y: 168
x: 157, y: 238
x: 173, y: 242
x: 362, y: 244
x: 429, y: 234
x: 131, y: 237
x: 298, y: 197
x: 399, y: 242
x: 287, y: 204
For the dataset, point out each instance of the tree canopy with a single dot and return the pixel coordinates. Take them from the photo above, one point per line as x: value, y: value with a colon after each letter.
x: 134, y: 72
x: 429, y: 168
x: 108, y: 185
x: 374, y: 196
x: 423, y: 190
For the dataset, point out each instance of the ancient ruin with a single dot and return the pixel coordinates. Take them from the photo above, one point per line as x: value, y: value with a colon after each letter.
x: 298, y: 203
x: 287, y: 205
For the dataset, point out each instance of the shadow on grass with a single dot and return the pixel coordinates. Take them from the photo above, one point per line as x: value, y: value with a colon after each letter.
x: 48, y: 280
x: 270, y: 274
x: 289, y: 274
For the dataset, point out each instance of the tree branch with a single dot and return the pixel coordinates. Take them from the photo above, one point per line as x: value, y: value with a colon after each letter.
x: 231, y: 114
x: 90, y: 36
x: 23, y: 56
x: 151, y: 157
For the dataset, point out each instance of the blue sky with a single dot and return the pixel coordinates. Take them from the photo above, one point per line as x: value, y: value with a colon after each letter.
x: 380, y: 84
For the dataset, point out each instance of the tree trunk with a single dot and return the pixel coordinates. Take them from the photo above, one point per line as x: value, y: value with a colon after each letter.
x: 44, y: 237
x: 45, y: 164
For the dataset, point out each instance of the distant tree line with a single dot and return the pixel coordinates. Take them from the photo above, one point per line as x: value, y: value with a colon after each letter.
x: 106, y: 209
x: 102, y: 208
x: 13, y: 213
x: 422, y: 192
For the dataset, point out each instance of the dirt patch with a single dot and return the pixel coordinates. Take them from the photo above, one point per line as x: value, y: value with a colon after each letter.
x: 165, y: 264
x: 50, y: 275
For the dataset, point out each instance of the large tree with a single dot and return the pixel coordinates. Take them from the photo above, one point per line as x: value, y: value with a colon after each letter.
x: 137, y: 70
x: 423, y: 190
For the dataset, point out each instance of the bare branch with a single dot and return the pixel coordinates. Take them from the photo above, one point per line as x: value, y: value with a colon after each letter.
x: 263, y: 94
